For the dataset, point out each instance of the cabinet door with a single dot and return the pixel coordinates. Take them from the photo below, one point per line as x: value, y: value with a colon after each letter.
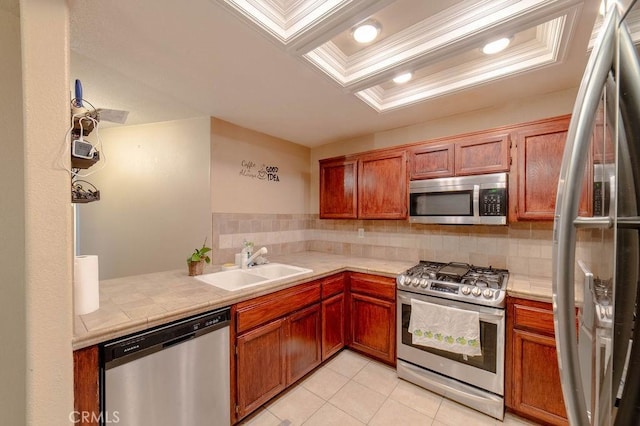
x: 261, y: 367
x: 86, y: 385
x: 431, y: 161
x: 303, y: 342
x: 332, y: 325
x: 338, y: 189
x: 482, y: 154
x: 372, y: 328
x: 383, y: 186
x: 537, y: 391
x: 540, y: 148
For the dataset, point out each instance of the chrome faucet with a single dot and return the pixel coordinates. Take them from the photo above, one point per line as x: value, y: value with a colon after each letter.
x: 249, y: 262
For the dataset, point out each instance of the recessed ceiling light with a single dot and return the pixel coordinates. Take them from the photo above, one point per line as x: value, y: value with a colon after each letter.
x: 496, y: 46
x: 366, y: 32
x: 403, y: 78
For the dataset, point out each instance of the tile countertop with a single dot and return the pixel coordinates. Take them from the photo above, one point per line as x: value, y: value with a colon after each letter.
x: 136, y: 303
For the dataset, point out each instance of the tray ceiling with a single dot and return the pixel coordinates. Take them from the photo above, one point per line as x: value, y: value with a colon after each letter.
x: 291, y: 69
x: 438, y: 41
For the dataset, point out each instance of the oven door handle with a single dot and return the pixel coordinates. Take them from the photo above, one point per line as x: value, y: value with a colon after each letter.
x: 486, y: 314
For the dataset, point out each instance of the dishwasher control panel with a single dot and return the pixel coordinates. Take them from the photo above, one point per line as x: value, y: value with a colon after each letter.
x: 124, y: 349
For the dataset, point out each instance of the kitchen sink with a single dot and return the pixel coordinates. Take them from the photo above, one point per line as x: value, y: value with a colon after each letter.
x: 238, y: 279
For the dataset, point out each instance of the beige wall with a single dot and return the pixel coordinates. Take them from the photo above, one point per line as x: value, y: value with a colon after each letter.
x: 12, y: 210
x: 519, y: 111
x: 239, y: 183
x: 154, y: 206
x: 36, y: 375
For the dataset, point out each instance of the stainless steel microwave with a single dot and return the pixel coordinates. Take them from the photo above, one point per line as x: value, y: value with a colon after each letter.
x: 465, y: 200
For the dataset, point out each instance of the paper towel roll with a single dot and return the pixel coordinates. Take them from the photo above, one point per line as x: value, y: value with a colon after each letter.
x: 86, y: 297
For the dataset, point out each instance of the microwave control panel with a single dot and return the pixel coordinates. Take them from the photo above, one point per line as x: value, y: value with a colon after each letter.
x: 493, y: 202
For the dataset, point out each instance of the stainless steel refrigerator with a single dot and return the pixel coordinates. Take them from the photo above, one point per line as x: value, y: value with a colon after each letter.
x: 596, y: 258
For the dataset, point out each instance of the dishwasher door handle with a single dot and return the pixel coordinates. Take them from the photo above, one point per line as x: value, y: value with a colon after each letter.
x: 178, y: 340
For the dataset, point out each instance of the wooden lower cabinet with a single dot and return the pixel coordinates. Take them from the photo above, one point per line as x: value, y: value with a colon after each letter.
x: 333, y: 314
x: 533, y: 388
x: 277, y: 340
x: 261, y: 366
x: 304, y: 352
x: 86, y: 389
x: 372, y: 316
x: 333, y: 335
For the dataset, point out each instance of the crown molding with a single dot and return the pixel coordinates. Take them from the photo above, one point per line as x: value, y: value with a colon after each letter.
x: 544, y: 51
x: 302, y: 25
x: 305, y: 28
x: 444, y: 35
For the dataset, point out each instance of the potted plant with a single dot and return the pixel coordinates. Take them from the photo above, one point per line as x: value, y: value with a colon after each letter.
x: 197, y: 259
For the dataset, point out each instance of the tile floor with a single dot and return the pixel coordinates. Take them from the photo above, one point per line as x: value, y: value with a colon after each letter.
x: 351, y: 389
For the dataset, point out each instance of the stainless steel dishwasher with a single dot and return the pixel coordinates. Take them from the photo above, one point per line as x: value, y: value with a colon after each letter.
x: 173, y: 375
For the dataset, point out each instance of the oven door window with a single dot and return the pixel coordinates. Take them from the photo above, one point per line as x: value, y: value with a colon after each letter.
x: 488, y: 340
x: 448, y: 203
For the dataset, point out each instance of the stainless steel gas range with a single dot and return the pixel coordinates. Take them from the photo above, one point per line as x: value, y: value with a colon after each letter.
x: 436, y: 301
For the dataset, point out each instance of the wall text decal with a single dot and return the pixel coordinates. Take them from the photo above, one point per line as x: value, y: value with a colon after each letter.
x: 249, y: 169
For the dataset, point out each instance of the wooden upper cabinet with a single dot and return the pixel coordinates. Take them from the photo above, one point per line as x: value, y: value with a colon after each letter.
x: 432, y: 161
x: 540, y: 147
x: 482, y: 154
x: 338, y: 189
x: 382, y: 186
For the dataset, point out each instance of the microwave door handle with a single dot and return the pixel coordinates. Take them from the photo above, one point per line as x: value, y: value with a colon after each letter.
x: 567, y: 204
x: 476, y: 201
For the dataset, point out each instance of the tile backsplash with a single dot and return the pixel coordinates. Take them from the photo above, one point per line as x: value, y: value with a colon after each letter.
x: 522, y: 248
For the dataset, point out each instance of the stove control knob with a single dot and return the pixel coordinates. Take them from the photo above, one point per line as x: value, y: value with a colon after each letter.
x: 424, y: 283
x: 476, y: 291
x: 487, y: 293
x: 466, y: 290
x: 415, y: 281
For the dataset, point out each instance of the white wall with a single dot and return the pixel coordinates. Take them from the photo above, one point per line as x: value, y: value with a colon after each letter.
x: 518, y: 111
x: 240, y: 160
x: 36, y: 373
x: 154, y: 208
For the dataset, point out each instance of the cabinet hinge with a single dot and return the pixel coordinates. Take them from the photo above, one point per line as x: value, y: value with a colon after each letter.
x: 236, y: 349
x: 237, y: 409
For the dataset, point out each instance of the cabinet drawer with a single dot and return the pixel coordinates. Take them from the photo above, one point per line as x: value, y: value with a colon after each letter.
x: 537, y: 318
x: 332, y: 285
x: 372, y: 285
x: 266, y: 308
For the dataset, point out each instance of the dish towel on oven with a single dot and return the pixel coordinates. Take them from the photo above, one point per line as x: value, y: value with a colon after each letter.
x: 441, y: 327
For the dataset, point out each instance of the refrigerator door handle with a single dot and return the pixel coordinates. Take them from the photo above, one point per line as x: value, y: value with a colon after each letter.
x: 627, y: 240
x: 567, y: 204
